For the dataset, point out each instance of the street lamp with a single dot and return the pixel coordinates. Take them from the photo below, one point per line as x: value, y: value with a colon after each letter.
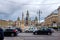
x: 39, y: 14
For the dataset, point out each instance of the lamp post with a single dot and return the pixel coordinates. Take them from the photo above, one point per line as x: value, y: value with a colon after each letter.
x: 39, y: 14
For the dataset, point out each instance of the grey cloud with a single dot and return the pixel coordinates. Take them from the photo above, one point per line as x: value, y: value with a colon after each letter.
x: 14, y: 8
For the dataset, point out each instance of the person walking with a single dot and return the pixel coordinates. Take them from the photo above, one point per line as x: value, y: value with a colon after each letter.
x: 1, y: 34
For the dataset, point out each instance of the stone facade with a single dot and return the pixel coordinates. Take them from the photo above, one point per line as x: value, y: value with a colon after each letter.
x: 4, y: 23
x: 53, y: 19
x: 59, y: 16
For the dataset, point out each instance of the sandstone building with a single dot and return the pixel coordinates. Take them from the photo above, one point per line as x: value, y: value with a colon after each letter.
x: 53, y: 19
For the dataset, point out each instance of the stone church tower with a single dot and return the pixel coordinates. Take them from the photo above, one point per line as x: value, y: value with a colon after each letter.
x: 27, y: 19
x: 22, y: 21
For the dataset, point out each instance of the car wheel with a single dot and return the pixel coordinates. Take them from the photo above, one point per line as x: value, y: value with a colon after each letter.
x: 49, y: 33
x: 35, y: 33
x: 12, y: 34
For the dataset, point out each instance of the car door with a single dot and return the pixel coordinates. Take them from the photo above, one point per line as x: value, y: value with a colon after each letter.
x: 39, y: 32
x: 43, y: 31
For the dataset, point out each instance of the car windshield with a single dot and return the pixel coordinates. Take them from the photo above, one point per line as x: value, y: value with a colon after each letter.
x: 43, y: 28
x: 9, y: 29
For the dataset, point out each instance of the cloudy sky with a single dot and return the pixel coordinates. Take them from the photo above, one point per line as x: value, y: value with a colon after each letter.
x: 11, y: 9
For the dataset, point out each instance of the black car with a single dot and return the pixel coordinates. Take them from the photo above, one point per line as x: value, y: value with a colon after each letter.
x: 10, y: 32
x: 1, y: 34
x: 45, y: 31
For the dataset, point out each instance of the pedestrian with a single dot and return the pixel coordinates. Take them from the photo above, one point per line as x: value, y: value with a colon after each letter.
x: 1, y: 34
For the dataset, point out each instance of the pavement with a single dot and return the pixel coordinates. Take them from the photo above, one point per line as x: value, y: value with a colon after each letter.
x: 30, y: 36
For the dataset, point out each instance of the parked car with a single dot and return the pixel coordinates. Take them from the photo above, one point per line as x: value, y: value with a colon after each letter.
x: 1, y: 34
x: 45, y: 31
x: 10, y: 32
x: 53, y: 30
x: 31, y: 29
x: 19, y: 29
x: 26, y: 30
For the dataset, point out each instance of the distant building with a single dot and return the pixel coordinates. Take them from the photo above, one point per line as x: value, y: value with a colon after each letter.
x: 22, y: 21
x: 10, y: 23
x: 52, y: 19
x: 42, y: 24
x: 4, y: 23
x: 36, y: 21
x: 17, y: 22
x: 59, y: 16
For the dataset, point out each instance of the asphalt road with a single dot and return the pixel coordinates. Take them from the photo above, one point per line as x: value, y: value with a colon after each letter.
x: 30, y: 36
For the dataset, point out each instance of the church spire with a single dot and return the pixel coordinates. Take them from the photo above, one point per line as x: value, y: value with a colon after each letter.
x: 22, y: 16
x: 27, y: 15
x: 27, y: 18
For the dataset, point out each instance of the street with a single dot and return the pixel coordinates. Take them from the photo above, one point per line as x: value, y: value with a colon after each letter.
x: 30, y: 36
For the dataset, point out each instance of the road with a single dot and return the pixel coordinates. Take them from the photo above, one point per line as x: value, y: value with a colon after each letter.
x: 30, y: 36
